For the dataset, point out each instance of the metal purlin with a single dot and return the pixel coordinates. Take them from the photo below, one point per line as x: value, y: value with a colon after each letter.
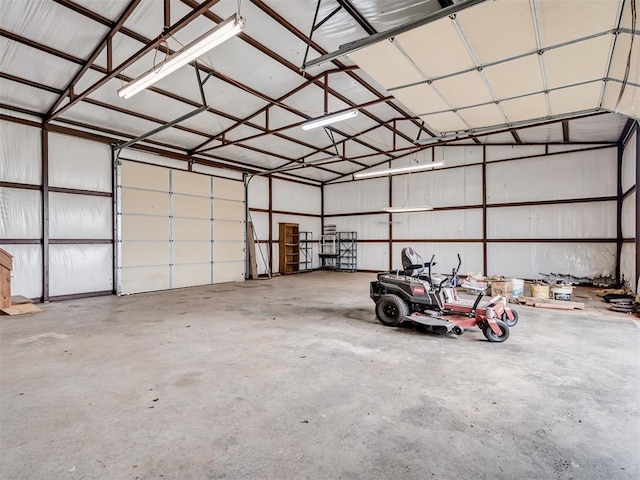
x: 540, y: 51
x: 612, y: 51
x: 480, y: 70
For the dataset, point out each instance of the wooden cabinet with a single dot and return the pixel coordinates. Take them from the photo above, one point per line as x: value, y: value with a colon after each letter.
x: 289, y: 248
x: 5, y: 278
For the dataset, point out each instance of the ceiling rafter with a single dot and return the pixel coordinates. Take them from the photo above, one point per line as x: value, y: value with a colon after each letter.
x: 136, y: 36
x: 295, y: 31
x: 68, y: 90
x: 259, y: 46
x: 183, y: 22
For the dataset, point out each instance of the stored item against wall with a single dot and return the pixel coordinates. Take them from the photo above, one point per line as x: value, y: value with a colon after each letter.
x: 289, y: 248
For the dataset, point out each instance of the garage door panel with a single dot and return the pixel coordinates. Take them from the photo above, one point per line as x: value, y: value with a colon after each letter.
x: 191, y: 207
x: 190, y: 184
x: 191, y: 275
x: 191, y: 229
x: 144, y: 227
x: 191, y: 252
x: 139, y: 175
x: 145, y: 202
x: 228, y: 272
x: 169, y: 228
x: 228, y: 210
x: 135, y: 254
x: 228, y: 251
x: 145, y: 279
x: 225, y: 231
x: 228, y: 189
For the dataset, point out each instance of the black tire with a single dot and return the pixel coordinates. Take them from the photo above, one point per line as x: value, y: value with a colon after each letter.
x: 458, y: 330
x: 391, y: 310
x: 491, y: 336
x: 510, y: 323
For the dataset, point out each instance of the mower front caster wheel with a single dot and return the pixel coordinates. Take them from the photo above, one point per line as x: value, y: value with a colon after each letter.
x: 391, y: 310
x: 492, y: 336
x: 507, y: 320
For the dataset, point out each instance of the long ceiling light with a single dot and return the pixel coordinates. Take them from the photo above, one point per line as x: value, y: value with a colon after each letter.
x: 214, y: 37
x: 408, y: 209
x: 327, y: 119
x: 393, y: 171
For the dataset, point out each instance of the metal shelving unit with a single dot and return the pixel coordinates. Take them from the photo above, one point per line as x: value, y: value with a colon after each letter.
x: 347, y: 243
x: 306, y: 251
x: 328, y: 251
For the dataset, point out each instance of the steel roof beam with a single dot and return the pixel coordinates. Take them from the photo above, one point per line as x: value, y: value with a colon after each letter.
x: 259, y: 46
x: 183, y: 22
x: 291, y: 28
x: 68, y: 90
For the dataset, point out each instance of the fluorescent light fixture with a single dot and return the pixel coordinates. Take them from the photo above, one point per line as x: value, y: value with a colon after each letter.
x: 205, y: 42
x: 408, y: 209
x: 392, y: 171
x: 327, y: 119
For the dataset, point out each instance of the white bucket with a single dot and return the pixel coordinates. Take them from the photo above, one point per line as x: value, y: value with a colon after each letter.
x: 517, y: 287
x: 562, y: 293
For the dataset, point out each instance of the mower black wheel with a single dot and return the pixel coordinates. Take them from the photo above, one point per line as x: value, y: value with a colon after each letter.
x: 491, y: 335
x: 391, y: 310
x: 507, y: 320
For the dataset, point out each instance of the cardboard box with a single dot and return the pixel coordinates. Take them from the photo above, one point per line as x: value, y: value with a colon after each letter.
x: 501, y: 288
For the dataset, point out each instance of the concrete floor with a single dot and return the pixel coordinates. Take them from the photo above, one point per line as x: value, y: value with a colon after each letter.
x: 294, y: 378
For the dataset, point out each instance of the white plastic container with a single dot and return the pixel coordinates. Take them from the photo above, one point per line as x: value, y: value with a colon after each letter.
x: 517, y: 287
x: 562, y: 293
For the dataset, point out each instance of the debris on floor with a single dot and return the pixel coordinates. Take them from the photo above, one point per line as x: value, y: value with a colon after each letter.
x: 19, y: 306
x: 621, y: 300
x: 549, y: 303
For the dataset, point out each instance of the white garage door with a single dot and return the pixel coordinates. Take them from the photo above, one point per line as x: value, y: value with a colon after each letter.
x: 177, y: 228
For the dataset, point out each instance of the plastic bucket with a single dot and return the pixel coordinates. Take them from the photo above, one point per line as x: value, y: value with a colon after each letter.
x: 539, y: 291
x: 517, y: 287
x: 562, y: 293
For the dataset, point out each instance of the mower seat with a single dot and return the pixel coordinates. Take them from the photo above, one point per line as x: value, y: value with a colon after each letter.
x: 412, y: 263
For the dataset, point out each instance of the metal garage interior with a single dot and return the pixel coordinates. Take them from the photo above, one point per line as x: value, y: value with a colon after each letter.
x: 527, y: 110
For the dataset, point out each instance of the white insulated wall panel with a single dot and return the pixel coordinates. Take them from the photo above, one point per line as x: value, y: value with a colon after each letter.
x: 458, y: 155
x: 445, y: 255
x: 529, y: 260
x: 260, y: 222
x: 503, y: 152
x: 360, y: 196
x: 628, y: 265
x: 577, y: 220
x: 80, y: 216
x: 368, y: 227
x: 295, y: 197
x: 152, y: 159
x: 373, y: 256
x: 439, y: 188
x: 629, y: 216
x: 26, y: 275
x: 79, y: 163
x: 20, y: 213
x: 443, y: 224
x: 629, y: 163
x: 20, y: 153
x: 258, y: 192
x: 556, y: 177
x: 218, y: 172
x: 305, y: 224
x: 80, y: 269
